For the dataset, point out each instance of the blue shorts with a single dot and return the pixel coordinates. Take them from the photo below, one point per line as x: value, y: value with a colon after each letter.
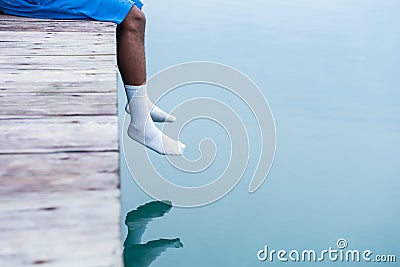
x: 102, y: 10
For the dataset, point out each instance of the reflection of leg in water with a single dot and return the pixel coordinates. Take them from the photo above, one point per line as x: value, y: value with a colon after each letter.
x: 138, y: 219
x: 142, y: 255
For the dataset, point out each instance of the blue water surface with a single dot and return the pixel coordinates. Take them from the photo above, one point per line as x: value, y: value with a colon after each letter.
x: 330, y: 72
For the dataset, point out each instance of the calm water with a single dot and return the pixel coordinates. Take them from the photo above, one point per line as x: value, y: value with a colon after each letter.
x: 329, y: 70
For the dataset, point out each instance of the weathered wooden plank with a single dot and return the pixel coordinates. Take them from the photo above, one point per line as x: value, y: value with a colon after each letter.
x: 39, y: 76
x: 57, y: 104
x: 59, y: 134
x: 76, y: 77
x: 62, y: 63
x: 59, y: 196
x: 56, y: 37
x: 8, y: 23
x: 58, y: 172
x: 87, y: 84
x: 57, y: 43
x: 59, y: 229
x: 26, y: 49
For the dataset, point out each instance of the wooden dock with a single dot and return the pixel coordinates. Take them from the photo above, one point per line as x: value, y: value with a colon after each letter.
x: 59, y: 174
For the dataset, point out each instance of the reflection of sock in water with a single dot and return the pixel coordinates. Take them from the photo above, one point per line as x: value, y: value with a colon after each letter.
x: 143, y: 130
x: 157, y: 114
x: 144, y: 254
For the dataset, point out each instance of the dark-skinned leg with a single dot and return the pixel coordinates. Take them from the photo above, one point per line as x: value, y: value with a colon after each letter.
x: 131, y: 57
x: 130, y: 48
x: 132, y: 65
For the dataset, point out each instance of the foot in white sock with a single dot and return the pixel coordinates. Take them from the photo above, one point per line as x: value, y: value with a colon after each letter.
x: 157, y: 114
x: 142, y: 128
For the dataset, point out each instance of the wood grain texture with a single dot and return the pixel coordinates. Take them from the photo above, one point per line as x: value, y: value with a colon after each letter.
x: 13, y: 23
x: 77, y: 62
x: 57, y: 104
x: 27, y: 173
x: 59, y: 158
x: 56, y: 43
x: 59, y: 134
x: 59, y: 229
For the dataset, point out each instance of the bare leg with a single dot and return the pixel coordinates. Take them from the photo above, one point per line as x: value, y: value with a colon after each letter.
x: 132, y: 65
x: 131, y: 57
x: 130, y: 48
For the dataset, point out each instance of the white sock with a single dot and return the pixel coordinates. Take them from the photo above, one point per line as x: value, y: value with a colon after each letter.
x: 157, y: 114
x: 142, y: 128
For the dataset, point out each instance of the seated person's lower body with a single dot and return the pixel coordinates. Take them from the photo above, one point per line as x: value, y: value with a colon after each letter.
x: 131, y: 21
